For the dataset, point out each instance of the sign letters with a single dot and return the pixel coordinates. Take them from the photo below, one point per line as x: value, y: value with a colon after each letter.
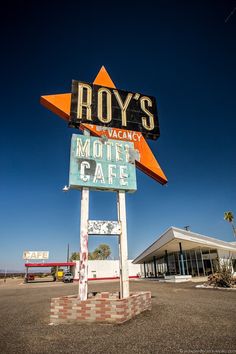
x: 35, y: 255
x: 99, y: 105
x: 101, y: 164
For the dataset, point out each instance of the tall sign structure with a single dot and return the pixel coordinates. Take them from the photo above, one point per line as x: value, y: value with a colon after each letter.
x: 119, y: 121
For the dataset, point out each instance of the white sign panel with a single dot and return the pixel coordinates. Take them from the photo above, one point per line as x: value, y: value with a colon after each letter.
x: 35, y: 254
x: 97, y: 227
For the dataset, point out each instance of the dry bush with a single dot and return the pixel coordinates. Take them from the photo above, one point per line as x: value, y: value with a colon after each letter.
x: 223, y: 277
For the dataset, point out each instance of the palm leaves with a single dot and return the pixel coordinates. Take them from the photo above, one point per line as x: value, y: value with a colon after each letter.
x: 102, y: 252
x: 229, y: 216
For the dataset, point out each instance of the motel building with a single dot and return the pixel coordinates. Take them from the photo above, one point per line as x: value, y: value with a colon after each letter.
x: 179, y: 255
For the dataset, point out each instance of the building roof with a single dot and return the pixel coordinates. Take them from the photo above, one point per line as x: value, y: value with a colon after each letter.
x: 50, y: 264
x: 171, y: 238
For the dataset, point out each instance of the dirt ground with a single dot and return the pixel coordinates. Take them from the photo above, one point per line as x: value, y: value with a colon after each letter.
x: 183, y: 319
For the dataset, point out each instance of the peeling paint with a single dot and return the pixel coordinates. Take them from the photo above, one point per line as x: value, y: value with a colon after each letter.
x: 134, y: 155
x: 83, y: 278
x: 97, y: 227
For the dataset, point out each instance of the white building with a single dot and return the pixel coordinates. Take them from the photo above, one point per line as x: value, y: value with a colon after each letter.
x: 107, y: 269
x: 180, y: 255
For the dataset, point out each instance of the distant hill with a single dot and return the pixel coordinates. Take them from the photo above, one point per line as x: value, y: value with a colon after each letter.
x: 10, y: 271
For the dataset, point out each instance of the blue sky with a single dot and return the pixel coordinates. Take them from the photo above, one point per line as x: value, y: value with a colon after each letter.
x: 183, y: 53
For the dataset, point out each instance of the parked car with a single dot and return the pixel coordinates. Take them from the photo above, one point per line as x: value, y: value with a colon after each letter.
x: 29, y: 277
x: 68, y: 278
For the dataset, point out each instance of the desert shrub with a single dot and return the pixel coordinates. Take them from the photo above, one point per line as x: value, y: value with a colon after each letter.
x: 223, y: 276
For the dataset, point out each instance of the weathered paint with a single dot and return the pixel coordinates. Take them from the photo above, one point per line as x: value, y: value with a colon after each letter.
x: 102, y: 164
x: 83, y: 276
x: 35, y: 254
x: 97, y: 227
x: 84, y: 216
x: 123, y: 246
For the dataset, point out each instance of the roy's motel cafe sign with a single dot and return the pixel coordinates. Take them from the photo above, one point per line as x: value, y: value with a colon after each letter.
x: 111, y: 114
x: 119, y: 122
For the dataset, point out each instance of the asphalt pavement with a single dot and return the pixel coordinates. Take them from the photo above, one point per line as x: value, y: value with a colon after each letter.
x: 183, y: 319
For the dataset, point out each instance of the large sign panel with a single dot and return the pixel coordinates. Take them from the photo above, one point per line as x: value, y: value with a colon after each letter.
x: 61, y: 105
x: 35, y: 255
x: 102, y: 164
x: 100, y: 105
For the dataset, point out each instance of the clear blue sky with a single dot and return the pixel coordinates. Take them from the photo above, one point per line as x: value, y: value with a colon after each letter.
x: 181, y: 52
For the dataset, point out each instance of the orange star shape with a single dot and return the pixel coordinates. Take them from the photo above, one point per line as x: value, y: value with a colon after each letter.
x: 60, y: 105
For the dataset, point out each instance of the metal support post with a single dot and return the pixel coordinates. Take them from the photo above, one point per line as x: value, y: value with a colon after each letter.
x: 192, y: 270
x: 83, y: 273
x: 84, y: 217
x: 120, y: 263
x: 124, y: 273
x: 144, y: 268
x: 167, y: 262
x: 181, y: 259
x: 212, y: 269
x: 26, y: 275
x: 186, y: 262
x: 197, y: 263
x: 155, y: 266
x: 68, y: 256
x: 204, y: 272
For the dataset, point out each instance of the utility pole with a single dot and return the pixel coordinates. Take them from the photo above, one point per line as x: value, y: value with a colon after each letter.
x: 68, y: 255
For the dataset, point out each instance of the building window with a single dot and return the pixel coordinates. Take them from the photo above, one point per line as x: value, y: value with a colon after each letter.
x: 196, y: 262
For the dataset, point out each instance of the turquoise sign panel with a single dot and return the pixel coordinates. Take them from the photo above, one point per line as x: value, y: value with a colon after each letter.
x: 100, y: 163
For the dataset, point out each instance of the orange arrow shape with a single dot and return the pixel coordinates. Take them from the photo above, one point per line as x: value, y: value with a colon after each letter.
x: 60, y: 105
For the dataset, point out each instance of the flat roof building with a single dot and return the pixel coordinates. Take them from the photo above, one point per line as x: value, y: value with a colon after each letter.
x: 181, y: 254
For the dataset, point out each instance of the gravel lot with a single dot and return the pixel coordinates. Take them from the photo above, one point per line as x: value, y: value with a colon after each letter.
x: 183, y: 320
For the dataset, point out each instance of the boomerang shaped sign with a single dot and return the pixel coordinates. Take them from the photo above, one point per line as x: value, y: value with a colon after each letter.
x: 79, y: 113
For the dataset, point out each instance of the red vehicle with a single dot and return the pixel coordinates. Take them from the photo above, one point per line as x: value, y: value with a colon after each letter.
x: 29, y: 277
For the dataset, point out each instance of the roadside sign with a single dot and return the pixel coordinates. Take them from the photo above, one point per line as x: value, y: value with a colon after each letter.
x: 110, y: 107
x: 101, y: 164
x: 60, y: 104
x: 35, y: 254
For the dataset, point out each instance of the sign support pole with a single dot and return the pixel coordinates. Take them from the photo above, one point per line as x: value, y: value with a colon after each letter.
x: 123, y: 247
x: 84, y: 217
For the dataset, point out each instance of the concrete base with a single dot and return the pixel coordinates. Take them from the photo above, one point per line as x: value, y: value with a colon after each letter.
x: 102, y: 307
x: 199, y: 279
x: 177, y: 278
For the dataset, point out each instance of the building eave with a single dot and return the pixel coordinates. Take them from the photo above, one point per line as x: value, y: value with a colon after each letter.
x: 190, y: 240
